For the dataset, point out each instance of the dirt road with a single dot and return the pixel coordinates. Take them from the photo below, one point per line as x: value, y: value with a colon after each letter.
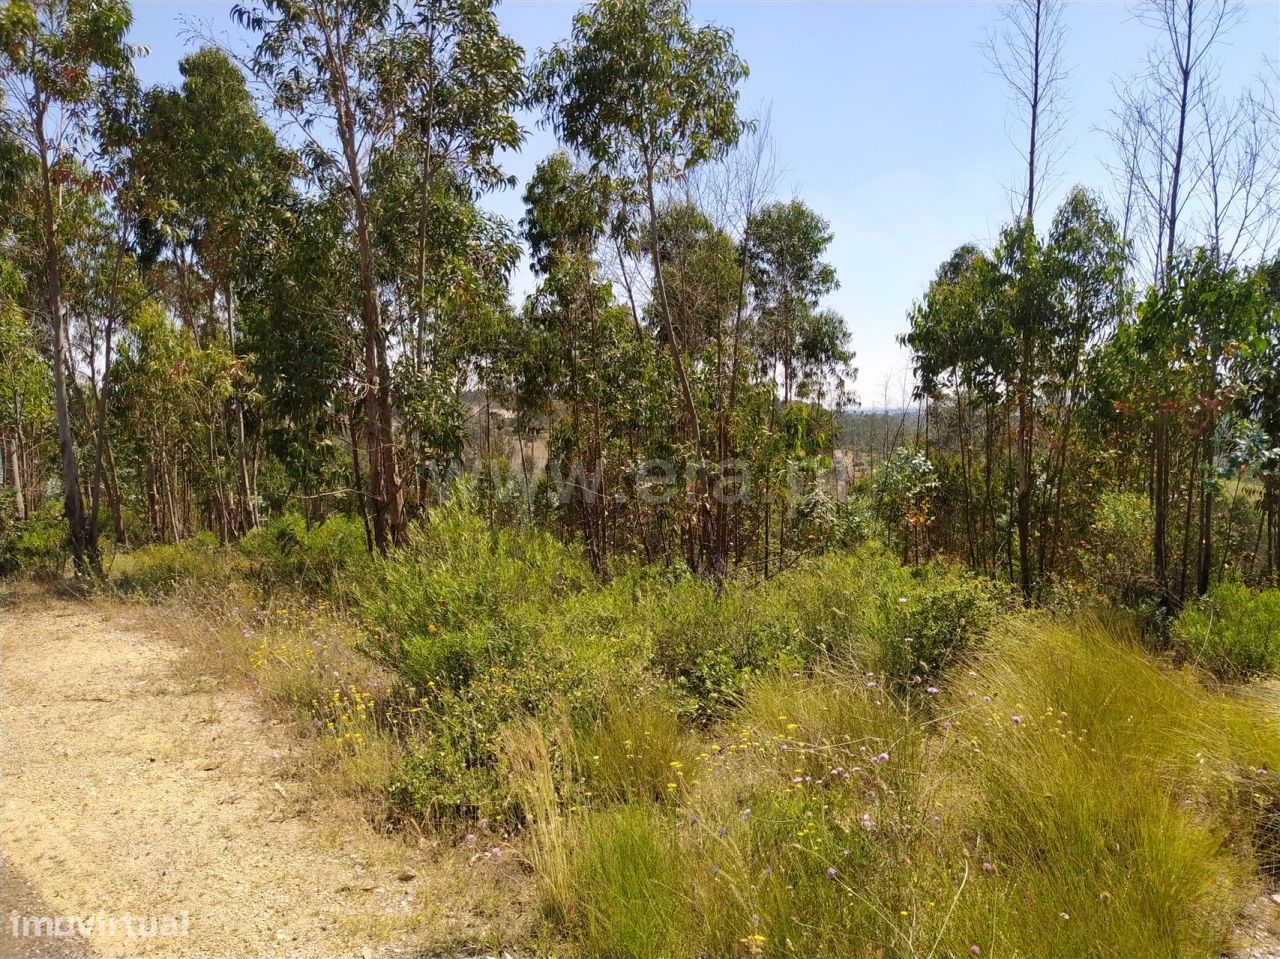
x: 166, y: 815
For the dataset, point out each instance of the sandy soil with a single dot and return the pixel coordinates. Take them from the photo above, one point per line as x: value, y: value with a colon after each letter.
x: 128, y: 791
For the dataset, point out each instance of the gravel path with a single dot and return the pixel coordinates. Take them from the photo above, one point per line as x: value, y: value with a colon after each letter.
x: 128, y: 796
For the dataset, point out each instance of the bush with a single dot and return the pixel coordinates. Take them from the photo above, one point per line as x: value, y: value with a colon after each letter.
x: 1115, y: 561
x: 1234, y: 632
x: 861, y: 609
x: 35, y: 546
x: 327, y: 559
x: 161, y: 568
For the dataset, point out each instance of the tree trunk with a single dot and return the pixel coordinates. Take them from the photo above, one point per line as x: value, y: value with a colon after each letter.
x: 15, y: 478
x: 84, y: 550
x: 1160, y: 497
x: 386, y: 493
x: 1026, y: 435
x: 664, y: 309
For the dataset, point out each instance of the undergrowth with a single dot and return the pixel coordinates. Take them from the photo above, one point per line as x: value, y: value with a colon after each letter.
x: 852, y: 758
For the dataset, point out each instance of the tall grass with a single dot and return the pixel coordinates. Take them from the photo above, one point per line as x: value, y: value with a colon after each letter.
x: 1067, y: 795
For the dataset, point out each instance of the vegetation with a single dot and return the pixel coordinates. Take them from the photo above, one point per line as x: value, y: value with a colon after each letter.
x: 618, y: 576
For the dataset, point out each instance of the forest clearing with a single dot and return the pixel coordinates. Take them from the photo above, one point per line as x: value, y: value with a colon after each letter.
x: 440, y: 513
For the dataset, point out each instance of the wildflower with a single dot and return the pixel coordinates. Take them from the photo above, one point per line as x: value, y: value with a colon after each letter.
x: 946, y: 724
x: 932, y: 690
x: 882, y: 758
x: 495, y: 850
x: 975, y: 951
x: 1017, y: 720
x: 868, y: 823
x: 832, y: 872
x: 722, y: 831
x: 744, y: 815
x: 469, y: 838
x: 987, y: 867
x: 693, y: 820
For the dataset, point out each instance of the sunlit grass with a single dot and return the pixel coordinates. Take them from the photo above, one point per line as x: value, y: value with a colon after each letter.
x: 1065, y: 795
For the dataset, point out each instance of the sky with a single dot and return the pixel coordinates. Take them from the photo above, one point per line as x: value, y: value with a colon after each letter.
x: 886, y: 119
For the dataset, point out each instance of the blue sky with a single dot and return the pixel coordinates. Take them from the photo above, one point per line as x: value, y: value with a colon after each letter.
x: 886, y: 120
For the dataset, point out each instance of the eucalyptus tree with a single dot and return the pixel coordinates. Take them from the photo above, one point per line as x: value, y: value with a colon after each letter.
x: 796, y: 343
x: 1087, y: 263
x: 785, y: 246
x: 645, y: 95
x: 1175, y: 134
x: 214, y: 186
x: 463, y: 80
x: 56, y: 58
x: 304, y: 352
x: 325, y: 64
x: 446, y: 328
x: 26, y: 393
x: 566, y: 215
x: 961, y: 344
x: 1227, y: 310
x: 1263, y: 403
x: 1027, y: 52
x: 1166, y: 380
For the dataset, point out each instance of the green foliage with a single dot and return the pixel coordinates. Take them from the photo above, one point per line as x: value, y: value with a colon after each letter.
x: 639, y: 79
x: 1060, y: 802
x: 1233, y: 632
x: 158, y: 569
x: 1115, y: 559
x: 34, y: 546
x: 328, y: 558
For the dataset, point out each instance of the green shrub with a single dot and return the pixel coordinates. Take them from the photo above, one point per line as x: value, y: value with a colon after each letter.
x: 160, y: 568
x: 35, y: 546
x: 327, y: 559
x: 1234, y: 632
x: 1115, y: 560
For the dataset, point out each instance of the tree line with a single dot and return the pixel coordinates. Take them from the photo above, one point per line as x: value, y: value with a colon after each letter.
x: 276, y: 286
